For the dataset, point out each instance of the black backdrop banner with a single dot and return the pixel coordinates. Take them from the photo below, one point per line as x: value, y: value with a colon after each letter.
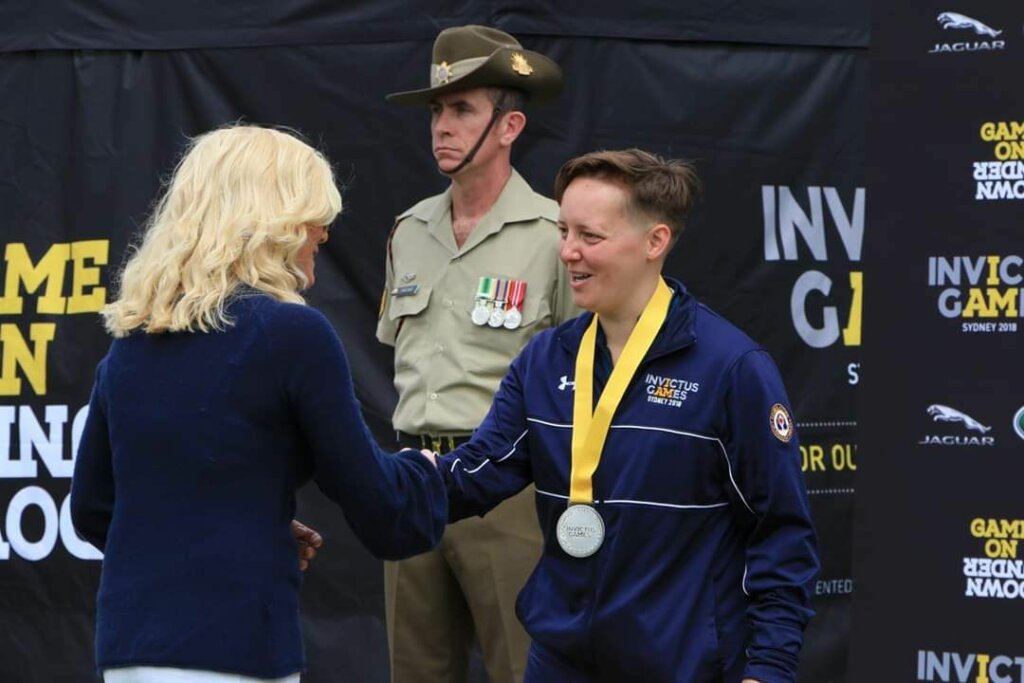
x: 940, y: 512
x: 128, y: 25
x: 100, y: 97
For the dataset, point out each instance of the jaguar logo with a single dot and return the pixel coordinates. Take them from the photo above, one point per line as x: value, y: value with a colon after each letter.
x: 942, y: 413
x: 959, y: 21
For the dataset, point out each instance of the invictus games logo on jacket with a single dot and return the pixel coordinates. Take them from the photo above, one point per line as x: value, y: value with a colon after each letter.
x: 984, y: 293
x: 668, y: 391
x: 970, y: 432
x: 1002, y: 176
x: 1018, y: 422
x: 977, y: 34
x: 960, y: 667
x: 996, y: 572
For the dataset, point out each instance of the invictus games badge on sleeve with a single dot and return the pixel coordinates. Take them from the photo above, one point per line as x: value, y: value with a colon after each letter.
x: 781, y: 423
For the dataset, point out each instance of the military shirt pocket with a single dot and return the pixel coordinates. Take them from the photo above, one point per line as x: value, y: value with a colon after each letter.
x: 411, y: 304
x: 536, y: 308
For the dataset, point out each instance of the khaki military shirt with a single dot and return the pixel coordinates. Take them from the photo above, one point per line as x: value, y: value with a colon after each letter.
x: 446, y: 368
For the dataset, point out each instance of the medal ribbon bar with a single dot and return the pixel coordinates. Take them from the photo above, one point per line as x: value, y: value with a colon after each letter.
x: 517, y: 293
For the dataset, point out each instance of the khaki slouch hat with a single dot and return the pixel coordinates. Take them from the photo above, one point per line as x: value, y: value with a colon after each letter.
x: 480, y: 56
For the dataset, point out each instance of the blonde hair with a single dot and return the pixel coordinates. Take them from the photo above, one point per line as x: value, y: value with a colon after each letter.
x: 234, y: 213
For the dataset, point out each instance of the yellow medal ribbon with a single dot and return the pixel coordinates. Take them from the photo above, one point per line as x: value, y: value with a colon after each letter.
x: 590, y: 429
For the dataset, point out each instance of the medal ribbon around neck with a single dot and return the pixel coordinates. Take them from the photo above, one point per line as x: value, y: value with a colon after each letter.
x: 589, y: 430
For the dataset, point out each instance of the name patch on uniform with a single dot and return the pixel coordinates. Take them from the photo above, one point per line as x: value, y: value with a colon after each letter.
x: 780, y: 422
x: 668, y: 391
x: 407, y: 290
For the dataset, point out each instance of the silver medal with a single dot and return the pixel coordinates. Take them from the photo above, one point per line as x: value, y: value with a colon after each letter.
x: 580, y: 530
x: 513, y: 318
x: 480, y: 314
x: 496, y: 318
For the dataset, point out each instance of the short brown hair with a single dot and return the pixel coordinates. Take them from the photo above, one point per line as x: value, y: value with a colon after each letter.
x: 508, y: 99
x: 659, y: 188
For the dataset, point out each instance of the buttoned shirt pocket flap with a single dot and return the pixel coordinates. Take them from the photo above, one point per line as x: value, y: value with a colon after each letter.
x: 401, y: 304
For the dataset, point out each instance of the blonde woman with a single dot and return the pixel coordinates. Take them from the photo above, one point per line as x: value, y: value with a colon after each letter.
x: 221, y: 394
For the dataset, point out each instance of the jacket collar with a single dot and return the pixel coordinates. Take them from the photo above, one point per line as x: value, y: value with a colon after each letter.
x: 678, y: 332
x: 515, y: 204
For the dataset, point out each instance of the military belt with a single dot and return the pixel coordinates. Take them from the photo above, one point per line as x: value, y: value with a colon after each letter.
x: 439, y: 443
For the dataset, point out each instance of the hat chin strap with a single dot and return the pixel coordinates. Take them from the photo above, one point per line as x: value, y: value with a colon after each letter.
x: 476, y: 148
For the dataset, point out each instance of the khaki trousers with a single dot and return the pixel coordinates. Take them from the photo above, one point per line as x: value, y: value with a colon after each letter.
x: 437, y: 601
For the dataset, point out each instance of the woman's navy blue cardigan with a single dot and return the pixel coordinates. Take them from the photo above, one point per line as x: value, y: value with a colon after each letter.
x: 186, y: 476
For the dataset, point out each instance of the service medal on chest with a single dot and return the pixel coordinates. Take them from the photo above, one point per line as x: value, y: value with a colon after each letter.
x: 500, y: 298
x: 485, y: 292
x: 580, y: 530
x: 480, y: 314
x: 514, y: 312
x: 497, y: 317
x: 513, y: 319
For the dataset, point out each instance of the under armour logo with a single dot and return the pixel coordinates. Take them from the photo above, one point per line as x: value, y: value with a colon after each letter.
x: 565, y: 383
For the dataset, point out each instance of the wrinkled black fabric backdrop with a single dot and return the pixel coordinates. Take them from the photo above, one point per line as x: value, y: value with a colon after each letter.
x: 98, y: 97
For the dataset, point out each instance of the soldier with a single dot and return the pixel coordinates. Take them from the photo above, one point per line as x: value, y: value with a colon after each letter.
x: 471, y: 275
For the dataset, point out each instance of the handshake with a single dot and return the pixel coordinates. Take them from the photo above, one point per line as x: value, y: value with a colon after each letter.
x: 310, y: 541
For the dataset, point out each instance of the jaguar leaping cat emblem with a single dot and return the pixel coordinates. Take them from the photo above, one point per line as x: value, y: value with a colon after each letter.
x: 956, y: 20
x: 942, y: 413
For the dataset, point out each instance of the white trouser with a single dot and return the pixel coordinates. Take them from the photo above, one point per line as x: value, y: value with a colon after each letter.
x: 161, y: 674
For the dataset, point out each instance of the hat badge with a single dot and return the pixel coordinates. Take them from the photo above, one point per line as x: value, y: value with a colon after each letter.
x: 520, y: 65
x: 440, y: 73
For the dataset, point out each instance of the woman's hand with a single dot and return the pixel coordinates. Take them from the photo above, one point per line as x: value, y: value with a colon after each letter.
x: 429, y: 455
x: 309, y: 542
